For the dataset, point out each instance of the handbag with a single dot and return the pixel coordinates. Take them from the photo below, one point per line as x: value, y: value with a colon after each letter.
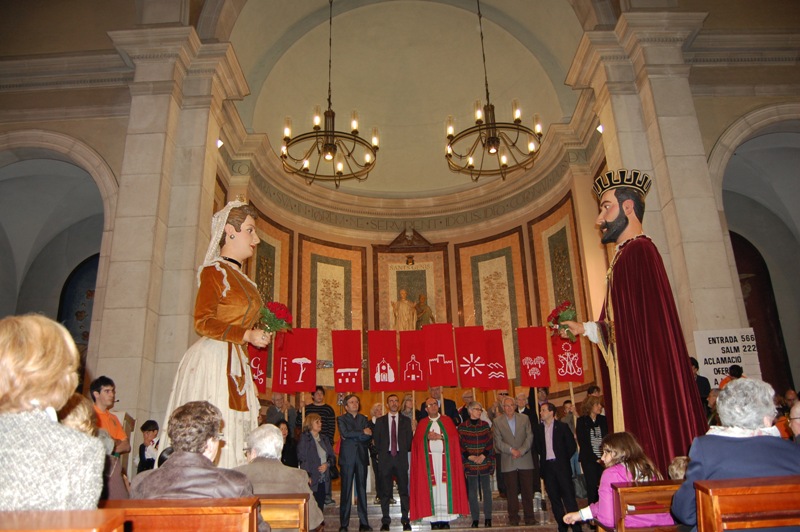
x: 333, y: 470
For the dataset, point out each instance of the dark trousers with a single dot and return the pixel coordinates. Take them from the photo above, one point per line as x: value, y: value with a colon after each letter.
x: 501, y: 483
x: 353, y: 473
x: 519, y: 481
x: 560, y: 491
x: 319, y: 495
x: 592, y: 470
x: 484, y: 484
x: 393, y: 466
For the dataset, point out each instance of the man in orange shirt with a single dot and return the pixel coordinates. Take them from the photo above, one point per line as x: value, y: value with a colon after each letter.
x: 104, y: 395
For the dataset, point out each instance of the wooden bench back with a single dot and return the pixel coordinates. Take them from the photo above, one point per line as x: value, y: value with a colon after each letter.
x: 735, y: 504
x: 189, y: 515
x: 286, y: 510
x: 64, y: 520
x: 639, y: 498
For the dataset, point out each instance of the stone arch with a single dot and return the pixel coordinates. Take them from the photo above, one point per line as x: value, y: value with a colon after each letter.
x: 739, y: 132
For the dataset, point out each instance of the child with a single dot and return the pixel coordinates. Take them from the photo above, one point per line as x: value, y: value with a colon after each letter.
x: 625, y: 461
x: 149, y: 449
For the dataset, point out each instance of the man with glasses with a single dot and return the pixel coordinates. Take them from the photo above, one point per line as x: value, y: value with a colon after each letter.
x: 513, y: 438
x: 438, y: 491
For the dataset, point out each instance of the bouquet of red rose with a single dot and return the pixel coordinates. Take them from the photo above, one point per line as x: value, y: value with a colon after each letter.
x: 564, y: 312
x: 275, y: 317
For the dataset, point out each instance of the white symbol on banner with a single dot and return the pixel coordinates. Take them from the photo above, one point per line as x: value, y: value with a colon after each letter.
x: 346, y: 375
x: 413, y: 370
x: 440, y: 360
x: 302, y: 361
x: 568, y: 361
x: 499, y: 371
x: 534, y: 372
x: 384, y: 372
x: 282, y: 371
x: 258, y: 373
x: 472, y: 364
x: 533, y: 365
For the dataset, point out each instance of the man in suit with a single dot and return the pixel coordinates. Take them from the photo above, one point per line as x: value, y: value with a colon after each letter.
x: 533, y: 415
x: 392, y: 438
x: 269, y: 476
x: 513, y: 439
x: 555, y: 445
x: 448, y: 406
x: 355, y: 432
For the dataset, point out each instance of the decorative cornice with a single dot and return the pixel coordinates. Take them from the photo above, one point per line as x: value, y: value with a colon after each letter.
x: 57, y: 72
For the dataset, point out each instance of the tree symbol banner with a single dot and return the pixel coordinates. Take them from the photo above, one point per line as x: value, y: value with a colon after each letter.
x: 383, y: 373
x: 534, y: 366
x: 295, y: 361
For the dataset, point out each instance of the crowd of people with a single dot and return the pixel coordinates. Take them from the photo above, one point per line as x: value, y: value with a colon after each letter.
x: 221, y: 442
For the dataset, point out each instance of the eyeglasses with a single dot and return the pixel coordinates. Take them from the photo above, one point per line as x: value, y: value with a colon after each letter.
x: 220, y: 436
x: 246, y: 450
x: 477, y: 409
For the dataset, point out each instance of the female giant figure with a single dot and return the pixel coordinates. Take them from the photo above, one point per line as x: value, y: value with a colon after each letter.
x: 217, y: 368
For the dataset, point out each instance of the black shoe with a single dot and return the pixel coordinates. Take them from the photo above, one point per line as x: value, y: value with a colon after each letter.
x: 474, y: 524
x: 435, y: 525
x: 384, y: 527
x: 406, y: 526
x: 488, y: 523
x: 342, y: 529
x: 445, y: 526
x: 364, y: 528
x: 530, y: 521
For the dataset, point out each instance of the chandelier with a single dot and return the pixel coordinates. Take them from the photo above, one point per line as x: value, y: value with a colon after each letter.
x: 491, y: 148
x: 325, y: 154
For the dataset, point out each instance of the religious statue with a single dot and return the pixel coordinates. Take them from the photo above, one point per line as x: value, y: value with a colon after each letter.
x: 404, y: 312
x: 424, y: 312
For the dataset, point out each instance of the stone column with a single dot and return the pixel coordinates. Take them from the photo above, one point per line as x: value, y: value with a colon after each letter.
x: 164, y: 209
x: 644, y: 101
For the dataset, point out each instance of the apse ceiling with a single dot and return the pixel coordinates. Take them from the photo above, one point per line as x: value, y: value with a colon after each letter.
x: 404, y: 65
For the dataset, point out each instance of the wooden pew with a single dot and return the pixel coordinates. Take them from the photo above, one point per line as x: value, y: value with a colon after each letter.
x: 64, y: 521
x: 189, y: 515
x: 742, y: 503
x: 286, y: 510
x: 640, y: 498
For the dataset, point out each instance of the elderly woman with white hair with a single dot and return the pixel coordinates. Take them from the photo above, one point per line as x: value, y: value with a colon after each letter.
x: 745, y: 445
x: 269, y: 476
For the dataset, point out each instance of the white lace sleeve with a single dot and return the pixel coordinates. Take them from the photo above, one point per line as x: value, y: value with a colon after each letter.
x: 591, y: 331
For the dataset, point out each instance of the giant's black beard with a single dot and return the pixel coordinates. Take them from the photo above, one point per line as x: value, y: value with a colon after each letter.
x: 614, y: 228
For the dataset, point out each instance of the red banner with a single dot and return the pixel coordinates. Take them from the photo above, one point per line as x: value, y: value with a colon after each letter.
x: 568, y: 359
x: 440, y: 354
x: 471, y: 357
x: 413, y: 366
x: 534, y: 367
x: 497, y: 375
x: 383, y: 373
x: 258, y: 366
x: 347, y: 361
x: 295, y: 361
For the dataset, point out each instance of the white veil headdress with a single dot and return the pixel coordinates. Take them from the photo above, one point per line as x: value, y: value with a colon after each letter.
x: 218, y: 222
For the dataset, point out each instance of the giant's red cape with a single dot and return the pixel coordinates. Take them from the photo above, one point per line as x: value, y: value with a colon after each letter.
x: 420, y: 496
x: 660, y: 401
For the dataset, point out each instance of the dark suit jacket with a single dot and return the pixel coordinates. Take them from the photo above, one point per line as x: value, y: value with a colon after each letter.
x: 563, y: 445
x: 532, y: 416
x: 380, y: 436
x: 450, y: 410
x: 713, y: 457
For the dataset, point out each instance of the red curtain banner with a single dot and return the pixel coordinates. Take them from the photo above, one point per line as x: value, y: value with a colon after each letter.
x: 497, y: 375
x: 567, y: 359
x: 413, y: 366
x: 440, y: 354
x: 347, y: 361
x: 473, y: 370
x: 383, y: 373
x: 258, y: 366
x: 295, y: 361
x: 534, y: 369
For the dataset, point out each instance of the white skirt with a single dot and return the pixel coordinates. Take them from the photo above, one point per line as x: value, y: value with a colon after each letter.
x: 203, y: 376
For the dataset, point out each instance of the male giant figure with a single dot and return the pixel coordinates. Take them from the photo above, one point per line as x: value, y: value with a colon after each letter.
x: 639, y: 332
x: 438, y: 488
x: 392, y: 437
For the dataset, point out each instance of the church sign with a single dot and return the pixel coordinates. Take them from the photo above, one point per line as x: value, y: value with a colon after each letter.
x: 719, y: 350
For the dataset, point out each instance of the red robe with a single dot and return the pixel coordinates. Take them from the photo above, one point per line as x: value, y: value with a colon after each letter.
x: 420, y: 504
x: 660, y: 401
